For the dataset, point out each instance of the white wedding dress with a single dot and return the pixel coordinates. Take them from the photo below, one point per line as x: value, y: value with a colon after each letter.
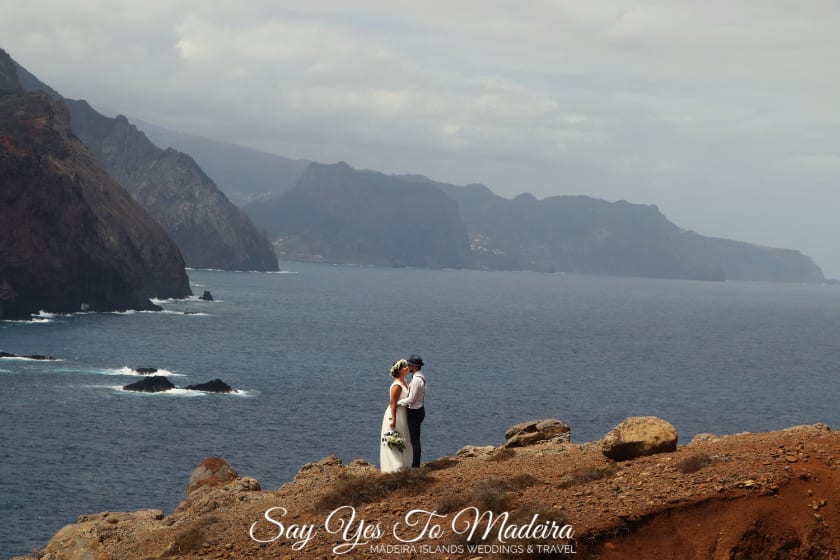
x: 392, y: 459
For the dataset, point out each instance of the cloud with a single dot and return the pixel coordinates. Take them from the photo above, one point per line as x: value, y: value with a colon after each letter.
x: 825, y: 162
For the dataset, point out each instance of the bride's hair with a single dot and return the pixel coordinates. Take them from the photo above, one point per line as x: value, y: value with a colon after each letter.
x: 398, y: 365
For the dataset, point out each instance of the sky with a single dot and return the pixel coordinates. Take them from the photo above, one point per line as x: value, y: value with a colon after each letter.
x: 723, y: 114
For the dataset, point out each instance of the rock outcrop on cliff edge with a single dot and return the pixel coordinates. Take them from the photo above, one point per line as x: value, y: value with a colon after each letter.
x: 71, y: 239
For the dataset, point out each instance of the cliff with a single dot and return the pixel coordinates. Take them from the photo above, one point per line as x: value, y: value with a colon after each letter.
x: 342, y: 215
x: 758, y: 496
x: 210, y: 231
x: 587, y: 235
x: 70, y: 237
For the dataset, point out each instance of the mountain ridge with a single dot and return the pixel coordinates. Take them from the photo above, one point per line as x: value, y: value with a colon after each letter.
x: 564, y: 233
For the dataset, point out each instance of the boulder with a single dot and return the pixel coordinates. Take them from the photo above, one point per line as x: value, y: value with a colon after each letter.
x: 207, y: 296
x: 475, y: 451
x: 146, y: 370
x: 639, y: 436
x: 211, y: 472
x: 534, y: 431
x: 153, y: 384
x: 246, y: 484
x: 214, y: 386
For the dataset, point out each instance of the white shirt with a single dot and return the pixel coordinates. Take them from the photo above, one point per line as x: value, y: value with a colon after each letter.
x: 416, y: 391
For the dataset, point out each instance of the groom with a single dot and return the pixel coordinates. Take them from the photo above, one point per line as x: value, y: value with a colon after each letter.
x: 414, y: 402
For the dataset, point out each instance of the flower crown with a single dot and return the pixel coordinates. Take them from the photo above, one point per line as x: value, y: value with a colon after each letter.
x: 398, y: 365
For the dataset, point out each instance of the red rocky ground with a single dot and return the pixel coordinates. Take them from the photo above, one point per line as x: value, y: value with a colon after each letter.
x: 748, y: 496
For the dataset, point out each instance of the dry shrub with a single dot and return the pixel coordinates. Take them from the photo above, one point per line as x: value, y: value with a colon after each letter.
x: 191, y: 538
x: 188, y: 540
x: 502, y: 454
x: 490, y: 494
x: 352, y: 490
x: 591, y: 474
x: 450, y: 503
x: 440, y: 464
x: 522, y: 481
x: 694, y: 463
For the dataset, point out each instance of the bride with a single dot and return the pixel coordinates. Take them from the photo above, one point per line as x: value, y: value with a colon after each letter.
x: 391, y: 458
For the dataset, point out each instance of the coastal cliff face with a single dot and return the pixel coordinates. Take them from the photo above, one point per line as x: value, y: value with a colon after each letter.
x: 760, y: 496
x: 592, y: 236
x: 210, y: 231
x: 70, y: 237
x: 342, y: 215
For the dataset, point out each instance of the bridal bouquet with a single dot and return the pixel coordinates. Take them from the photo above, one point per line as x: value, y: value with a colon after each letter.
x: 394, y: 439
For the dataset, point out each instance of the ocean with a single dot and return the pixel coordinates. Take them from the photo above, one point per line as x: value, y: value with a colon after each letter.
x: 308, y: 351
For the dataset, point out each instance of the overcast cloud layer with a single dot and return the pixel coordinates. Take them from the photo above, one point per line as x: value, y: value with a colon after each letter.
x: 724, y: 114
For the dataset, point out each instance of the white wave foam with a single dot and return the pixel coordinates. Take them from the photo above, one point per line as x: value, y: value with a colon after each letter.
x: 199, y: 300
x: 25, y: 359
x: 125, y: 370
x: 35, y: 320
x: 188, y: 299
x: 170, y: 393
x: 243, y: 271
x: 45, y: 314
x: 171, y: 312
x: 159, y: 301
x: 178, y: 392
x: 244, y: 393
x: 118, y: 372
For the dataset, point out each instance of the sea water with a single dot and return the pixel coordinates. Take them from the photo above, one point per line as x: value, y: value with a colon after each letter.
x: 308, y: 351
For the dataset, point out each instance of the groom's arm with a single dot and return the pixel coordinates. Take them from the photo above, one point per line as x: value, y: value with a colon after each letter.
x: 412, y: 390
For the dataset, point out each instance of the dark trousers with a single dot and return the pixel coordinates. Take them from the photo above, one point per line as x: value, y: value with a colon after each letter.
x: 415, y: 418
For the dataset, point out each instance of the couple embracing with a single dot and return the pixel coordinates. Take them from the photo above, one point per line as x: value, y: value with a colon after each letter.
x: 403, y: 416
